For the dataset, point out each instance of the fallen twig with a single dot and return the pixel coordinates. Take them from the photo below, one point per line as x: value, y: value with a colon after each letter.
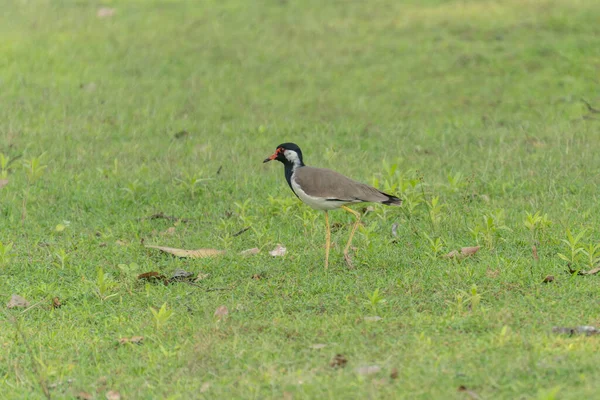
x: 592, y: 271
x: 33, y: 306
x: 241, y: 231
x: 589, y: 107
x: 161, y: 215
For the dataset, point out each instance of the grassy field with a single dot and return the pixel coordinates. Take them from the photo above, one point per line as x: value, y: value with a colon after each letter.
x: 469, y: 110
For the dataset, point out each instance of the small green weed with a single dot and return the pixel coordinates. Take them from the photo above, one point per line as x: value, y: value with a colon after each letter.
x: 574, y: 249
x: 466, y: 301
x: 62, y: 258
x: 6, y: 253
x: 456, y: 182
x: 491, y: 228
x: 161, y: 315
x: 536, y: 223
x: 375, y: 300
x: 435, y: 211
x: 191, y: 183
x: 34, y: 168
x: 592, y: 255
x: 134, y: 189
x: 104, y: 285
x: 436, y: 246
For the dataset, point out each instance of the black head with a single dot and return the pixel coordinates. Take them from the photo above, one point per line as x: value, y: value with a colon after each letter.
x: 288, y: 154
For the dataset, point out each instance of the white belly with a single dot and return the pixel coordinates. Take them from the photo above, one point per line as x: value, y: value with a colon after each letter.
x: 317, y: 203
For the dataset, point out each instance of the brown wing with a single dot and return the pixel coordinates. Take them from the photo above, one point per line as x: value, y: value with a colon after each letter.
x: 329, y: 184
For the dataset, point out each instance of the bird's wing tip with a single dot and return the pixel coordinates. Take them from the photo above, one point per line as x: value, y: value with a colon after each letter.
x: 392, y: 201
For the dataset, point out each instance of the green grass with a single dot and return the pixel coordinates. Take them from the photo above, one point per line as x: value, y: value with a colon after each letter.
x: 484, y: 92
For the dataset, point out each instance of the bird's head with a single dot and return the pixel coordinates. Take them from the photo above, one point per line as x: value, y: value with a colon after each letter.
x: 288, y: 154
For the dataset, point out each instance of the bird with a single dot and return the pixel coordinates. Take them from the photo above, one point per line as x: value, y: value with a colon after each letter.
x: 325, y: 190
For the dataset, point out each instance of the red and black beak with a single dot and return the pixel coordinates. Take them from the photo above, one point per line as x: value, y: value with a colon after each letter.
x: 274, y: 156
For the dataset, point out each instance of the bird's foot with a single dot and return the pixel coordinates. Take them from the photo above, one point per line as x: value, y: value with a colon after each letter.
x: 348, y: 260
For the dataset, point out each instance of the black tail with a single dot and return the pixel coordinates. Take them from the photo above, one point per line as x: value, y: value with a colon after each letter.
x: 392, y: 200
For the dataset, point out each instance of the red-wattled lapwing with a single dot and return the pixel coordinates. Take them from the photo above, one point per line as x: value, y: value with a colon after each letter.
x: 323, y: 189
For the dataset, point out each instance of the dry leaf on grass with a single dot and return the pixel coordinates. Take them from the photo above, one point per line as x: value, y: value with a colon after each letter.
x: 133, y: 340
x: 535, y: 254
x: 548, y: 279
x: 278, y: 251
x: 17, y: 301
x: 84, y: 396
x: 105, y: 12
x: 368, y: 370
x: 169, y: 231
x: 395, y: 229
x: 452, y: 254
x: 470, y: 393
x: 578, y: 330
x: 592, y: 271
x: 338, y: 361
x: 182, y: 275
x: 199, y: 253
x: 201, y: 276
x: 464, y: 252
x: 113, y: 395
x: 204, y: 388
x: 221, y: 312
x: 153, y: 277
x: 150, y: 275
x: 394, y: 374
x: 469, y: 251
x: 492, y: 273
x: 257, y: 277
x: 250, y: 252
x: 56, y: 303
x: 3, y: 182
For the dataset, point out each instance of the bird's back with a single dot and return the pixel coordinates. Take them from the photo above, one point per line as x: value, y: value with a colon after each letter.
x: 325, y: 183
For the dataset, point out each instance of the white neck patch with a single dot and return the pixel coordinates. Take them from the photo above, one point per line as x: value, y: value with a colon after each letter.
x: 292, y: 157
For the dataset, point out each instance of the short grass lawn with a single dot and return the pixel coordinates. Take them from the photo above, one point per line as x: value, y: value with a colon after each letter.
x: 132, y: 123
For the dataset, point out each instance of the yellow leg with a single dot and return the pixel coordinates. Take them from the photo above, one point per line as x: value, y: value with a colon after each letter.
x: 347, y: 248
x: 327, y: 240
